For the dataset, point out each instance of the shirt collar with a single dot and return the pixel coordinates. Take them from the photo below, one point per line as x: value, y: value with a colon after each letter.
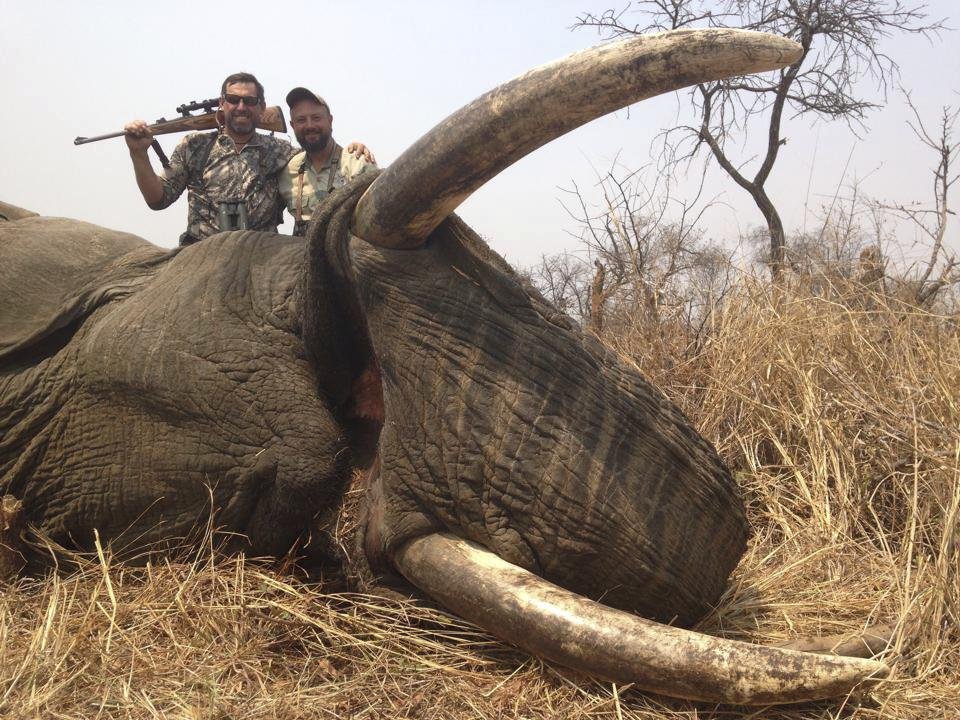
x: 226, y: 141
x: 306, y: 165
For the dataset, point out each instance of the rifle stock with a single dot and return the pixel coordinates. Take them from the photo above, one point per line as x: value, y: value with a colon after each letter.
x: 270, y: 119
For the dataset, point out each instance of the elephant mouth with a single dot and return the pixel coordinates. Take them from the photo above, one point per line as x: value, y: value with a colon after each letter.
x: 399, y: 211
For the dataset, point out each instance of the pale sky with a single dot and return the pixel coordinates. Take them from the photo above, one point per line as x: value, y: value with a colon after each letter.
x: 390, y: 71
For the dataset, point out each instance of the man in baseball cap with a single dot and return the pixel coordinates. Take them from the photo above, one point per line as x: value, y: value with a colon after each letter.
x: 322, y: 165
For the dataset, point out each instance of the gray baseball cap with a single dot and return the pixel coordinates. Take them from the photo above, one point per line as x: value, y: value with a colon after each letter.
x: 301, y: 93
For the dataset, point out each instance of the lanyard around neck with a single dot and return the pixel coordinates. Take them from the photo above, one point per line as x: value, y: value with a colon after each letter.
x: 332, y: 176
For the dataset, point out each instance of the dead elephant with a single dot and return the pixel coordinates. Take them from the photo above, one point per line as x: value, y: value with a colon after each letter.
x: 523, y: 469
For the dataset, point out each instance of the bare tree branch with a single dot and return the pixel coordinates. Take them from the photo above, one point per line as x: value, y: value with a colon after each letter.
x: 841, y: 41
x: 932, y: 221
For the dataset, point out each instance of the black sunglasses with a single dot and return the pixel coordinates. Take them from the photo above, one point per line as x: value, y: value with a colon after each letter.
x: 248, y: 100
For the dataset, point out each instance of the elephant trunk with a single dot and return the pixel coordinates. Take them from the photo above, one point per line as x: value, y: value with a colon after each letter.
x: 455, y: 158
x: 615, y: 645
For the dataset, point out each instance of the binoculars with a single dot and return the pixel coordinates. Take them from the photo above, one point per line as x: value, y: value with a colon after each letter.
x: 233, y: 215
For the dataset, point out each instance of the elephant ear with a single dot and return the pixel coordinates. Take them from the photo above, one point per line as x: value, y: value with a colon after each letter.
x: 54, y: 272
x: 12, y: 212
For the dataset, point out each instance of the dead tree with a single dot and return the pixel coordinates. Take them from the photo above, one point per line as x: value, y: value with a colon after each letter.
x: 942, y: 267
x: 654, y: 265
x: 841, y: 46
x: 564, y: 279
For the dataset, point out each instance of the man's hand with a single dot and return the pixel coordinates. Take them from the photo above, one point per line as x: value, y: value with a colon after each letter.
x: 358, y: 150
x: 138, y: 136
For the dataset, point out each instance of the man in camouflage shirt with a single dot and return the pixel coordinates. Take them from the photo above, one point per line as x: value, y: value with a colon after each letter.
x: 235, y: 165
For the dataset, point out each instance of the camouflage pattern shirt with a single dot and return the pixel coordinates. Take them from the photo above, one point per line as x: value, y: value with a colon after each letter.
x: 210, y: 168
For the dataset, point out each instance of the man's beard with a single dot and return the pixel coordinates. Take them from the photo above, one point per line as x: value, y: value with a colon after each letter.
x: 234, y: 124
x: 312, y: 146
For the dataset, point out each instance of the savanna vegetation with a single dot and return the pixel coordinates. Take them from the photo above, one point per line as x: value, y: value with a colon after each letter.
x: 831, y: 387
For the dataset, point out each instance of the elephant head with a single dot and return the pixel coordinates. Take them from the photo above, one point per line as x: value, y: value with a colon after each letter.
x: 517, y: 456
x: 525, y: 477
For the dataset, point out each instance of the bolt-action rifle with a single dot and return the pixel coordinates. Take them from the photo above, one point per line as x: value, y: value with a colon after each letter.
x: 270, y: 119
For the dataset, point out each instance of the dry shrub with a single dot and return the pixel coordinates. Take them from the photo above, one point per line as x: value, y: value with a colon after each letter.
x: 838, y: 410
x: 839, y: 414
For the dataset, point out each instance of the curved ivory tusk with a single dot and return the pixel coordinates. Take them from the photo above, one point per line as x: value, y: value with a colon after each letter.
x: 867, y: 643
x: 618, y: 646
x: 438, y: 172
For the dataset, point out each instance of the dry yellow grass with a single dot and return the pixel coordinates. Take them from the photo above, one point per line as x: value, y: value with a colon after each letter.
x: 841, y: 419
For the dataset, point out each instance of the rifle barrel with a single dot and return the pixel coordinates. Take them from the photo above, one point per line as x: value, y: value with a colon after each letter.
x: 85, y: 140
